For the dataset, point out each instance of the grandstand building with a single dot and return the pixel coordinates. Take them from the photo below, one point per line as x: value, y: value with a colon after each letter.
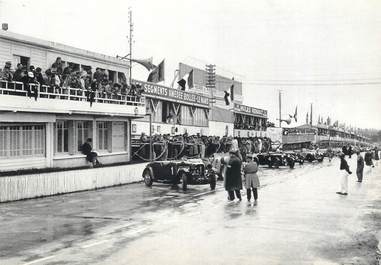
x: 320, y: 135
x: 47, y: 128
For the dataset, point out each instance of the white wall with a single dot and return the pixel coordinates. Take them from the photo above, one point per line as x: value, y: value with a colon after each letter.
x: 45, y: 184
x: 217, y: 128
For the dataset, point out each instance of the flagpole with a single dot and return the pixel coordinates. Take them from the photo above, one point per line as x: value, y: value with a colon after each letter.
x: 130, y: 41
x: 280, y: 108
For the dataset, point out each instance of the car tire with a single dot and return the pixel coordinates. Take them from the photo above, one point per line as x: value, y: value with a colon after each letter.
x: 147, y: 177
x: 184, y: 180
x: 301, y: 161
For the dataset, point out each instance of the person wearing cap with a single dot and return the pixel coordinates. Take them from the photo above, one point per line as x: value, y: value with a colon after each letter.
x: 6, y: 74
x: 344, y: 175
x: 233, y: 179
x: 251, y: 178
x: 360, y: 167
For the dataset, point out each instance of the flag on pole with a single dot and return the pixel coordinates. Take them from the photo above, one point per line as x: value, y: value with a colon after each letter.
x: 227, y: 98
x: 232, y: 90
x: 157, y: 74
x: 187, y: 81
x: 147, y: 63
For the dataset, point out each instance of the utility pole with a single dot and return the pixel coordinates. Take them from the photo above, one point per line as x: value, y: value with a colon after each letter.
x: 130, y: 40
x: 280, y: 108
x: 311, y: 115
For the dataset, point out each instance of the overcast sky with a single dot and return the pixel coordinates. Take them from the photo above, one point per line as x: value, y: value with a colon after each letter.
x: 315, y: 51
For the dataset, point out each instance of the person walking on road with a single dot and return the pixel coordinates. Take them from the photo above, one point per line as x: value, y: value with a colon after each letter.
x: 344, y: 175
x: 360, y: 167
x: 233, y: 179
x: 251, y: 178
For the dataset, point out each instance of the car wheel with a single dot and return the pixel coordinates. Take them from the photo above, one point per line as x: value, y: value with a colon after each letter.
x: 301, y: 161
x: 320, y: 159
x: 291, y: 163
x: 184, y: 180
x: 147, y: 177
x: 213, y: 182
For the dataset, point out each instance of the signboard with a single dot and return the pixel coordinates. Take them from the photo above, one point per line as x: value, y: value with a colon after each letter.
x: 174, y: 94
x: 250, y: 110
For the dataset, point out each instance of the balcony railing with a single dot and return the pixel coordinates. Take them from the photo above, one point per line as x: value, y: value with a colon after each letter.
x: 67, y: 93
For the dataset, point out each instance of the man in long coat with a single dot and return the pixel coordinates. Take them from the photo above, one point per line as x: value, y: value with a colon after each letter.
x: 233, y: 179
x: 360, y: 167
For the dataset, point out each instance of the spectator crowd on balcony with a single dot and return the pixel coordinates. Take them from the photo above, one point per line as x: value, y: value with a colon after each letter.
x: 58, y: 76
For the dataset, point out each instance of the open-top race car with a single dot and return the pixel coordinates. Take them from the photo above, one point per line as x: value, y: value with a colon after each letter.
x: 276, y: 159
x: 312, y: 155
x: 188, y: 172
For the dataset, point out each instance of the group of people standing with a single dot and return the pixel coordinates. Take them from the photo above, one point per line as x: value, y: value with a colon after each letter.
x: 361, y: 162
x: 236, y: 168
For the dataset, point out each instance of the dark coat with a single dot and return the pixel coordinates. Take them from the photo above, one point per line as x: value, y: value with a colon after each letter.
x: 344, y: 165
x: 360, y: 163
x: 368, y: 159
x: 233, y: 179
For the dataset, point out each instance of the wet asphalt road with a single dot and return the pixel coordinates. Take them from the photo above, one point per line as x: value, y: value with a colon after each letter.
x: 298, y: 220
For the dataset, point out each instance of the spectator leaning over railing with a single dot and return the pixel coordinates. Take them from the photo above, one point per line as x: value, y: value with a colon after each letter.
x: 30, y: 78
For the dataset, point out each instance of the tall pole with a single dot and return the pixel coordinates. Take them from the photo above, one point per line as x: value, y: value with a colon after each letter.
x: 311, y: 115
x: 150, y: 137
x: 130, y: 41
x: 280, y: 108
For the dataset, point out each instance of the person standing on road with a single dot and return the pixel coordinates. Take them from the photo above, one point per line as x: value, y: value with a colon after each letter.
x: 360, y: 167
x: 233, y: 179
x: 251, y: 178
x: 368, y: 161
x: 376, y: 155
x: 344, y: 175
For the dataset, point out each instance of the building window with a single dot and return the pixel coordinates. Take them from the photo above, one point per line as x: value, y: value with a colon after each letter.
x: 186, y: 115
x: 62, y: 137
x: 83, y: 132
x: 200, y: 117
x: 103, y: 134
x: 22, y: 141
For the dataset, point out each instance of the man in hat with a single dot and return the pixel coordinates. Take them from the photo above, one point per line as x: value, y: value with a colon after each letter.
x: 345, y: 172
x: 360, y: 167
x: 233, y: 179
x: 6, y: 74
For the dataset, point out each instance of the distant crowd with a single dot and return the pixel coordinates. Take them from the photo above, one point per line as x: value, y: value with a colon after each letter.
x: 59, y: 76
x: 166, y: 146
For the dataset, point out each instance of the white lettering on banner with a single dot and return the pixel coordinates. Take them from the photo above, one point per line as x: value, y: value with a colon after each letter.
x: 250, y: 110
x: 157, y: 90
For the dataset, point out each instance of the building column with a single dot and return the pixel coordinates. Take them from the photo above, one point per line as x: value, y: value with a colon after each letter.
x: 94, y: 136
x: 49, y: 143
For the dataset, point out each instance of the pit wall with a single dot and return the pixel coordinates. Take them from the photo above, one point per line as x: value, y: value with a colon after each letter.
x: 28, y: 186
